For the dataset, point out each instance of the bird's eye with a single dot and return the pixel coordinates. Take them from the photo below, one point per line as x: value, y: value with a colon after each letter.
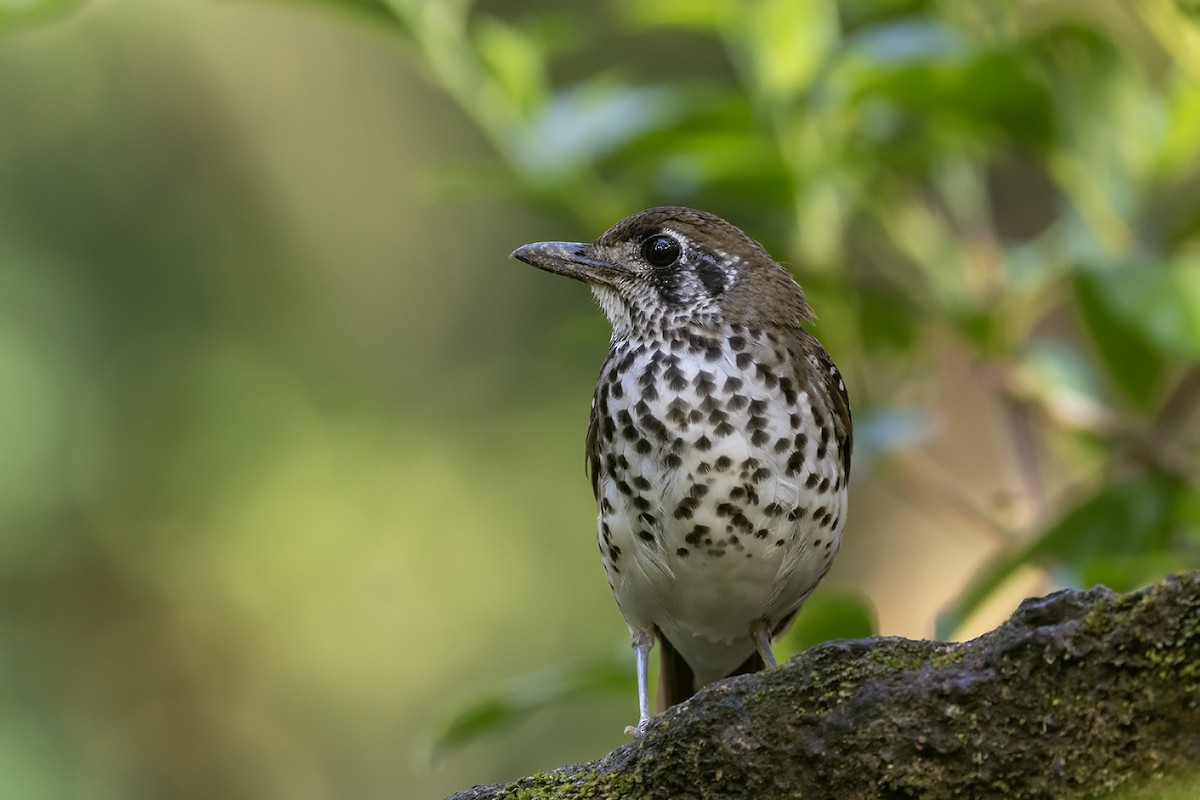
x: 660, y: 251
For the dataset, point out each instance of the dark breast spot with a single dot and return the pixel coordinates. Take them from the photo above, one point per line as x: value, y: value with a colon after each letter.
x: 686, y: 508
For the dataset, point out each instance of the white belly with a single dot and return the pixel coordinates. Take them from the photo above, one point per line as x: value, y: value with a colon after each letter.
x: 704, y: 535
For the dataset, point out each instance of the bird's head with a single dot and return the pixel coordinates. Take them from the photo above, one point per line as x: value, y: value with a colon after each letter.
x: 669, y: 267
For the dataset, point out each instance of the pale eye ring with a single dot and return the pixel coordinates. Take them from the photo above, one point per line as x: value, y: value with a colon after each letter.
x: 661, y: 250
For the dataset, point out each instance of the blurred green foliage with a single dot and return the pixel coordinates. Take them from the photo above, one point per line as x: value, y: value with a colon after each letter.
x: 277, y: 488
x: 1023, y: 176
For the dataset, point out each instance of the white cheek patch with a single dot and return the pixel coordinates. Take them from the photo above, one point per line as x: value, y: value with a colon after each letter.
x: 728, y: 267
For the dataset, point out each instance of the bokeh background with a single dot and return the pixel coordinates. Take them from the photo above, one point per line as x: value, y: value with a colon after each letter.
x: 292, y: 500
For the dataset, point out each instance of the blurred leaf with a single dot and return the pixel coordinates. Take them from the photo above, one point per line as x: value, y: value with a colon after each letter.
x: 1178, y: 151
x: 1132, y: 519
x: 23, y: 12
x: 1161, y: 302
x: 988, y: 94
x: 787, y: 42
x: 1133, y: 364
x: 525, y: 695
x: 887, y: 319
x: 909, y: 39
x: 516, y: 60
x: 698, y: 15
x: 579, y: 126
x: 829, y: 615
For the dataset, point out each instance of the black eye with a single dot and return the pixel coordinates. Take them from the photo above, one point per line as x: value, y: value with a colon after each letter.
x: 660, y: 251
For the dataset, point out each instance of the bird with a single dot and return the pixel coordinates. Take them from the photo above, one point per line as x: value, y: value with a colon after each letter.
x: 718, y: 444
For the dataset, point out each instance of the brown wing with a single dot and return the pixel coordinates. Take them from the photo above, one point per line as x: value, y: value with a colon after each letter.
x: 591, y: 464
x: 826, y: 372
x: 596, y: 426
x: 841, y: 406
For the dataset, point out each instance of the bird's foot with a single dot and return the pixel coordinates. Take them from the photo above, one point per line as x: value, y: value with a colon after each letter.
x: 635, y: 731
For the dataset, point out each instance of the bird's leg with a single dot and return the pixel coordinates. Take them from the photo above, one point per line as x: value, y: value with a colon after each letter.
x: 760, y: 631
x: 642, y: 642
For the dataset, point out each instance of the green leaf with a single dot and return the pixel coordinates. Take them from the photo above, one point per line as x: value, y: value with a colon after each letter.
x: 1135, y: 366
x: 1161, y: 301
x: 577, y: 127
x: 829, y: 615
x: 516, y: 61
x: 523, y: 696
x: 787, y: 42
x: 1131, y: 519
x: 906, y: 40
x: 708, y: 16
x: 990, y: 93
x: 888, y: 321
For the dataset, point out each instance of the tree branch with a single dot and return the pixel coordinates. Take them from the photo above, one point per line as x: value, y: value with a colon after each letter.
x: 1077, y: 695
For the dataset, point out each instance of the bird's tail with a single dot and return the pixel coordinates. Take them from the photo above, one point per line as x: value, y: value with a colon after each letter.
x: 677, y: 682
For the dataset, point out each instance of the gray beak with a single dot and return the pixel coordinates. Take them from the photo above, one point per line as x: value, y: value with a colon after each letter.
x: 573, y: 259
